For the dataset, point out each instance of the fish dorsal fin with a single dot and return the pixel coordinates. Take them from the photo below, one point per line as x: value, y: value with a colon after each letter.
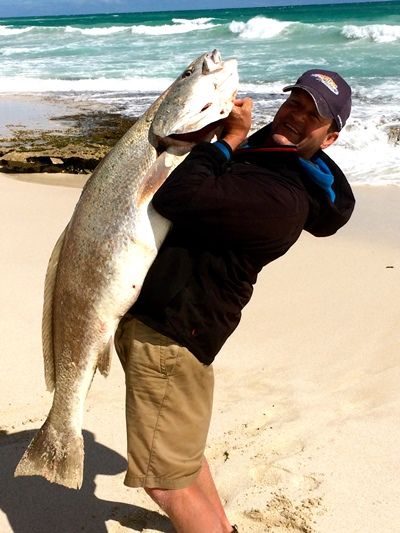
x: 104, y: 360
x: 47, y: 317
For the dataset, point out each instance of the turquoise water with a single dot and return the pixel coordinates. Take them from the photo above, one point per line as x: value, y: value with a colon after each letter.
x: 126, y: 59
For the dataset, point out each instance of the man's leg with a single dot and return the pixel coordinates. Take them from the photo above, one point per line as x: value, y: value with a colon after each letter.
x: 194, y: 509
x: 206, y: 482
x: 169, y: 401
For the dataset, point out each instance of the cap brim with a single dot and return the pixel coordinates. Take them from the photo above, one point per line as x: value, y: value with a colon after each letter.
x: 319, y: 101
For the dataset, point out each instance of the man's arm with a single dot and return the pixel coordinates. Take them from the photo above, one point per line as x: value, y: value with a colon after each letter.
x: 195, y: 180
x: 238, y: 123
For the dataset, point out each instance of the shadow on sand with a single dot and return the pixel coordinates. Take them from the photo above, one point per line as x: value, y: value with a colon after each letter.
x: 33, y: 505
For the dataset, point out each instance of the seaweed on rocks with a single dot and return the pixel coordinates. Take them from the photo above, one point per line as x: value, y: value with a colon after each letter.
x: 78, y: 148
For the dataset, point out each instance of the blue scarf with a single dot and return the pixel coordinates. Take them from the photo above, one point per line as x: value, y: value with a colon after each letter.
x: 319, y: 173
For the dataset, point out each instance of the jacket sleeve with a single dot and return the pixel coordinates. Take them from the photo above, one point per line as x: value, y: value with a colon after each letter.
x: 203, y: 194
x: 228, y: 202
x: 185, y: 188
x: 328, y: 216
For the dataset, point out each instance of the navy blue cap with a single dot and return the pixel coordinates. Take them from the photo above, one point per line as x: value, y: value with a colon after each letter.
x: 330, y: 92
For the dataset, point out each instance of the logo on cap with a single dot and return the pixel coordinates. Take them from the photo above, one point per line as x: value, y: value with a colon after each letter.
x: 327, y: 81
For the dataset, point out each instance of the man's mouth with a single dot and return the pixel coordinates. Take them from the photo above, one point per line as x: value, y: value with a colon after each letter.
x: 289, y: 131
x: 291, y: 128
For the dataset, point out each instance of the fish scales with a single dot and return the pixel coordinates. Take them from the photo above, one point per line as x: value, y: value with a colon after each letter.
x: 98, y: 265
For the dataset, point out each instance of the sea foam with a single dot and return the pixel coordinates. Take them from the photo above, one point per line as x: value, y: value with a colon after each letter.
x: 5, y: 30
x: 259, y: 28
x: 12, y: 85
x: 177, y: 26
x: 127, y: 59
x: 380, y: 33
x: 366, y: 154
x: 97, y: 31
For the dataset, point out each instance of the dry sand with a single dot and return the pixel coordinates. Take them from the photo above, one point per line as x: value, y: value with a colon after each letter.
x: 305, y: 435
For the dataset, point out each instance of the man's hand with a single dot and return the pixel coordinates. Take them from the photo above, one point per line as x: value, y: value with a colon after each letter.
x: 237, y: 124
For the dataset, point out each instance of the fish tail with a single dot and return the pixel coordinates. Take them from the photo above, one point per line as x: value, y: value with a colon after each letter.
x: 56, y: 455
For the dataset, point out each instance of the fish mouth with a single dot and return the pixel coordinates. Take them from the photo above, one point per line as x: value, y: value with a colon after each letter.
x: 200, y: 99
x: 205, y: 133
x: 212, y: 62
x: 189, y: 139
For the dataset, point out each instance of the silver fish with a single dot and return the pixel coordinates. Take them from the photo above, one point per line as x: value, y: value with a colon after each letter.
x: 98, y: 264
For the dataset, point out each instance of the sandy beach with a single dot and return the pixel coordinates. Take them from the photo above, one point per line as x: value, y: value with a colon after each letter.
x: 305, y: 433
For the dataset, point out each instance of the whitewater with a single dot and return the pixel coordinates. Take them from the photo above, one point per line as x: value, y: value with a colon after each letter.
x: 126, y: 60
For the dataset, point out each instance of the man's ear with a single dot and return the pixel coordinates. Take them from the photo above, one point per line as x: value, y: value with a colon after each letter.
x: 330, y: 139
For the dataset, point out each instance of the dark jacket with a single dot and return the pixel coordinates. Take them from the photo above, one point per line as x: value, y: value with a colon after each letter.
x: 230, y: 219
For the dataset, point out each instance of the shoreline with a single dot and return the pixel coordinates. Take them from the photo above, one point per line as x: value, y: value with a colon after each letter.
x: 49, y: 133
x: 52, y: 132
x: 17, y: 110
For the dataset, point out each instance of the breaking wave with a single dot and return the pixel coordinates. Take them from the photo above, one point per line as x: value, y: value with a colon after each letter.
x: 177, y: 26
x: 259, y: 28
x: 97, y: 31
x: 380, y: 33
x: 362, y: 165
x: 14, y: 51
x: 111, y: 59
x: 5, y: 30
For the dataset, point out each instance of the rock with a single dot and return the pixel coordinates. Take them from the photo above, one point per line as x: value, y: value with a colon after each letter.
x: 394, y: 134
x: 77, y: 149
x: 46, y: 161
x: 56, y: 161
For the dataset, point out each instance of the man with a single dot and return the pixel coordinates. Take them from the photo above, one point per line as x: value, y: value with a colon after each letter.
x: 236, y: 205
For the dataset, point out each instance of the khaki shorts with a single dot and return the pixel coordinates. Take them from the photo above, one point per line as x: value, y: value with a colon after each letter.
x: 168, y: 407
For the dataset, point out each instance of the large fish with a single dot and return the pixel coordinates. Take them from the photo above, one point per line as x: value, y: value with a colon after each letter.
x: 98, y: 265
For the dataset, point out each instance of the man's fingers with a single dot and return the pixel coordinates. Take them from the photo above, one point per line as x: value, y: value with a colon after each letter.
x: 246, y: 101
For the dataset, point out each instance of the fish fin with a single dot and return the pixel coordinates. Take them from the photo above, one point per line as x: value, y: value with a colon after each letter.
x: 104, y: 360
x: 47, y: 317
x: 55, y: 455
x: 156, y: 175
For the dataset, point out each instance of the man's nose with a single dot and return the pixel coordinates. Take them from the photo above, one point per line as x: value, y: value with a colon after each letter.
x: 300, y: 116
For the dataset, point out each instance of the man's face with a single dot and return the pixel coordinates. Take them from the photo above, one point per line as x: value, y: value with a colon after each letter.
x: 298, y: 122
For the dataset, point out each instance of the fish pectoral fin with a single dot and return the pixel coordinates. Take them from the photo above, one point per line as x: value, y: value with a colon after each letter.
x: 104, y: 360
x: 157, y: 174
x: 47, y: 317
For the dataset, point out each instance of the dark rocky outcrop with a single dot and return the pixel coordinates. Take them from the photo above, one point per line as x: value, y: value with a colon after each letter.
x: 78, y: 148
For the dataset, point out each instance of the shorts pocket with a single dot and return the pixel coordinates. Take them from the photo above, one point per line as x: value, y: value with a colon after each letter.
x: 169, y: 356
x: 163, y: 352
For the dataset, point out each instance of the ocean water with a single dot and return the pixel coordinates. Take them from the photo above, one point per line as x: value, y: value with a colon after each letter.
x: 128, y: 59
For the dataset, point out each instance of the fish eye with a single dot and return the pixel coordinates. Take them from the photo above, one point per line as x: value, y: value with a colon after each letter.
x: 187, y: 73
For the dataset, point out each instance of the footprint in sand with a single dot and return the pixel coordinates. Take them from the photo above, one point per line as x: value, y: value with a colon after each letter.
x: 281, y: 514
x: 277, y: 475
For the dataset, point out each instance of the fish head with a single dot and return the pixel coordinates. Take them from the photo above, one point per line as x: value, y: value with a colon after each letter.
x: 196, y: 102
